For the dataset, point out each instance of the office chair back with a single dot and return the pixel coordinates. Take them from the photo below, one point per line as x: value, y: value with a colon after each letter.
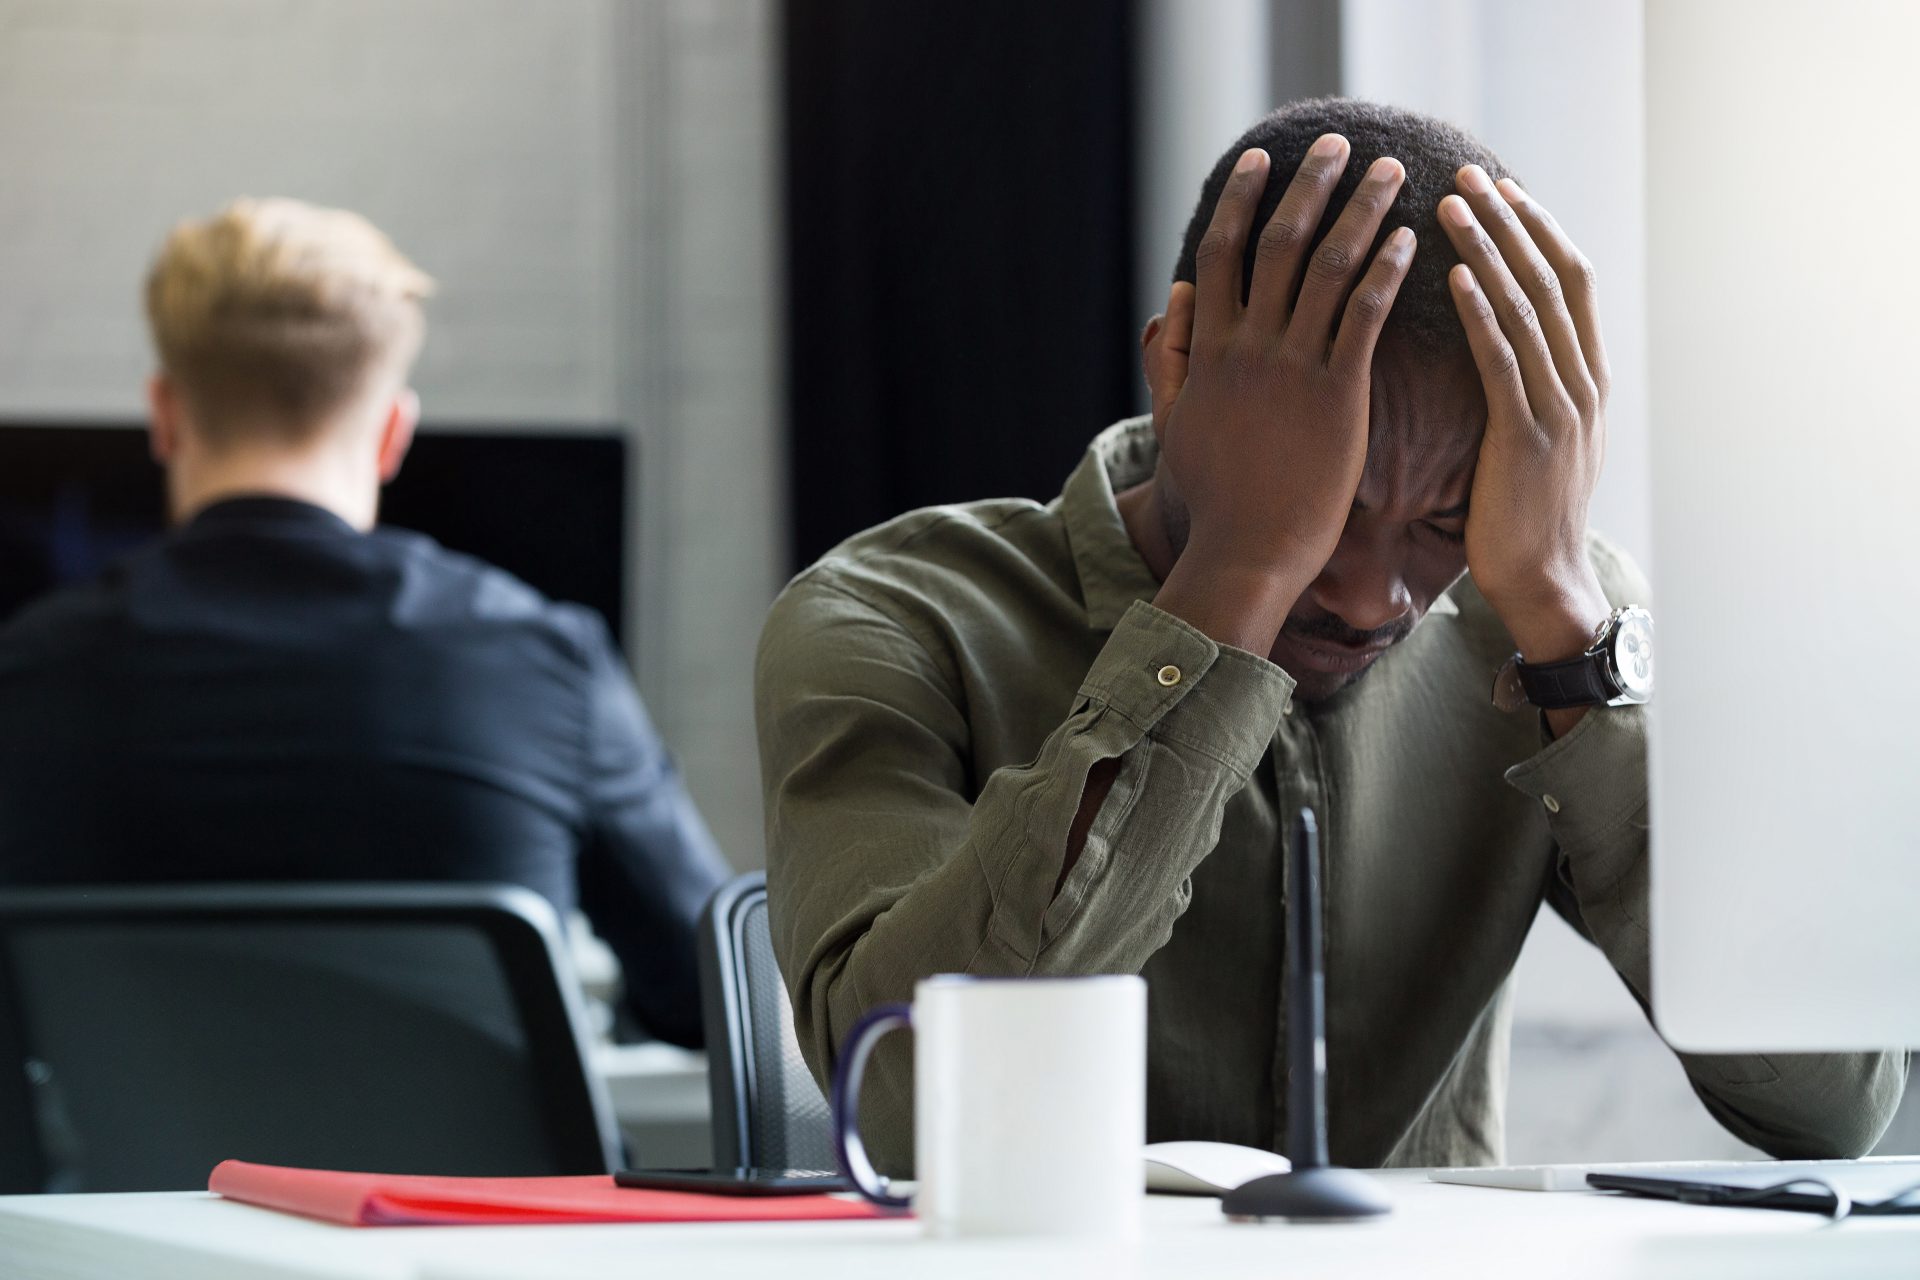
x: 148, y: 1033
x: 767, y: 1110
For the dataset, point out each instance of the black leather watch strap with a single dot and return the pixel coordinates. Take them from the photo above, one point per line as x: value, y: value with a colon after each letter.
x: 1578, y: 682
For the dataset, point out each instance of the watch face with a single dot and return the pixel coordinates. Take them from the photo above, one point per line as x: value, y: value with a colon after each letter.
x: 1633, y: 654
x: 1508, y: 693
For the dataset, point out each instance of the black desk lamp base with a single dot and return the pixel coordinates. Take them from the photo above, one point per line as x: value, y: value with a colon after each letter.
x: 1314, y: 1191
x: 1307, y: 1195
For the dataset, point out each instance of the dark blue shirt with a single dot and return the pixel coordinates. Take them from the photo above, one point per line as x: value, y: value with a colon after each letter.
x: 270, y: 694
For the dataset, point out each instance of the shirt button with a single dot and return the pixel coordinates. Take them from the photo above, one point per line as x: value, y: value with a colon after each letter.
x: 1553, y: 806
x: 1169, y: 675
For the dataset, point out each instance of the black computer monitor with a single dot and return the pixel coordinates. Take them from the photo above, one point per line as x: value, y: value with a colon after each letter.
x: 547, y: 505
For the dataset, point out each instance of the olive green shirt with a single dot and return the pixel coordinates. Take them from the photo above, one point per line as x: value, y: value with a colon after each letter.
x: 931, y: 696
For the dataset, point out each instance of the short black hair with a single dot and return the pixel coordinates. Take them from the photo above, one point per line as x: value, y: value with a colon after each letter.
x: 1423, y: 314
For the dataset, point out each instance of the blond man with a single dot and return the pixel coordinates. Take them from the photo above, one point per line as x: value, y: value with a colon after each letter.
x: 285, y: 334
x: 279, y: 689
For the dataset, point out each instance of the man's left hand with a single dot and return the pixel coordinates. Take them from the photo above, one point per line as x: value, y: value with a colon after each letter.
x: 1526, y: 297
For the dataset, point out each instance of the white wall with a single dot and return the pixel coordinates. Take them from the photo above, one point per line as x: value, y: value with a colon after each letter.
x: 1203, y: 73
x: 476, y: 134
x: 591, y: 182
x: 703, y: 375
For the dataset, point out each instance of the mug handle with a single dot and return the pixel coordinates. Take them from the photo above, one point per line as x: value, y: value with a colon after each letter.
x: 854, y: 1161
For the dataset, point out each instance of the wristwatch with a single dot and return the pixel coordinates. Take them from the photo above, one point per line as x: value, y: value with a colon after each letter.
x: 1615, y: 671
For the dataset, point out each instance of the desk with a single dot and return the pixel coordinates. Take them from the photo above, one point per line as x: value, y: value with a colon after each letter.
x: 1436, y: 1230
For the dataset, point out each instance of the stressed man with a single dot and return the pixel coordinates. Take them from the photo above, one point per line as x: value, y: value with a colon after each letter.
x: 1008, y: 738
x: 280, y: 690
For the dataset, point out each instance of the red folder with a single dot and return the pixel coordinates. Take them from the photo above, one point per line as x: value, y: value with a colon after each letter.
x: 393, y: 1200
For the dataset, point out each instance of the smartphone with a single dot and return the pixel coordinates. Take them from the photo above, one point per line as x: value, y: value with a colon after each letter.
x: 735, y: 1182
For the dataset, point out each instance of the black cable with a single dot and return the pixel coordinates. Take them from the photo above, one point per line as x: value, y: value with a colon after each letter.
x: 1843, y: 1204
x: 1889, y: 1202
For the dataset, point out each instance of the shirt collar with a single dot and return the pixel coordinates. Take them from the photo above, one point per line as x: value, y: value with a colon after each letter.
x: 266, y: 509
x: 1112, y: 573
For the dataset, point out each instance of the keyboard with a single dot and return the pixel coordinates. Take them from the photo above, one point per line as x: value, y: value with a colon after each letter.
x: 1868, y: 1174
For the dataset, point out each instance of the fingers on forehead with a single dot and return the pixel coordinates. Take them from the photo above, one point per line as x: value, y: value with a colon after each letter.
x: 1495, y: 356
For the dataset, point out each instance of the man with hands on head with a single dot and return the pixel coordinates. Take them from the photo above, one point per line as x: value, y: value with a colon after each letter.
x: 1007, y: 738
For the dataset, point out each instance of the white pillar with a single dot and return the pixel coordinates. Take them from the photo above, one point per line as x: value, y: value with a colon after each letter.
x: 1203, y: 75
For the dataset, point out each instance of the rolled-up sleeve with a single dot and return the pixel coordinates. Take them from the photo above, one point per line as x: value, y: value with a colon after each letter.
x: 882, y: 868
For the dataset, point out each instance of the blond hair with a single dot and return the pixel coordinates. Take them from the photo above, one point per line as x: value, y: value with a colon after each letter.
x: 272, y: 315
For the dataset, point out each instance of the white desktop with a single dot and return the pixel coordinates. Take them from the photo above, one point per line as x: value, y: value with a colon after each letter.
x: 1784, y: 306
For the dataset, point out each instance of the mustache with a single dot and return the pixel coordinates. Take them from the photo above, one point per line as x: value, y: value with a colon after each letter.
x: 1333, y: 629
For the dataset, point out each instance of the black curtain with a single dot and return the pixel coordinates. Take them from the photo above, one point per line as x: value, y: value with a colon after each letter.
x: 959, y: 192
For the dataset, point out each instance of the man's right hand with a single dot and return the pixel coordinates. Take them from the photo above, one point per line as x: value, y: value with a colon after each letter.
x: 1266, y: 437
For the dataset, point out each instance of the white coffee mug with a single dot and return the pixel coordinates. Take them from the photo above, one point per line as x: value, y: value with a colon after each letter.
x: 1029, y: 1104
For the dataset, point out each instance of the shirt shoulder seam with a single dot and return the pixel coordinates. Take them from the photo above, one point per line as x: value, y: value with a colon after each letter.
x: 822, y: 577
x: 939, y: 519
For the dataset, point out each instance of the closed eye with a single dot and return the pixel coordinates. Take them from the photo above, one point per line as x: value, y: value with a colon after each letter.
x: 1456, y: 537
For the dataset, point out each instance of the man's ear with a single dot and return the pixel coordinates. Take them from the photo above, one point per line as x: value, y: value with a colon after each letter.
x: 163, y: 418
x: 1163, y: 352
x: 396, y: 433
